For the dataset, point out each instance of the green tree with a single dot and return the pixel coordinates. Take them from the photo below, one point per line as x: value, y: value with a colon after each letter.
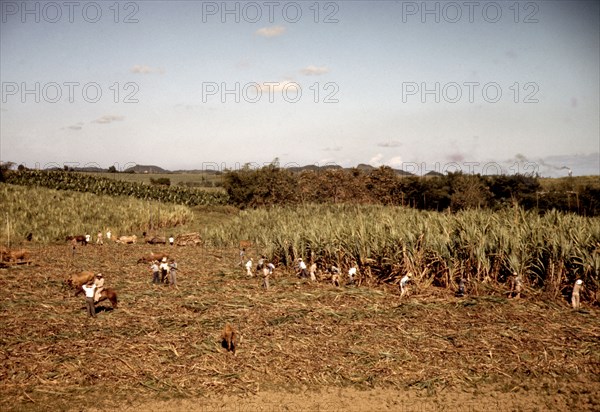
x: 468, y: 192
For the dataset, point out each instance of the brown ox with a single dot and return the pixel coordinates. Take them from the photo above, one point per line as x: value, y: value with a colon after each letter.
x: 108, y: 293
x: 156, y: 240
x: 152, y: 257
x: 127, y: 239
x: 229, y: 338
x: 245, y: 244
x: 80, y: 279
x: 79, y: 239
x: 17, y: 255
x: 3, y: 254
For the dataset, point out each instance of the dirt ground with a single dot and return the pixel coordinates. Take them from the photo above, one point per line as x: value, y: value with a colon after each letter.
x: 303, y: 346
x: 352, y: 400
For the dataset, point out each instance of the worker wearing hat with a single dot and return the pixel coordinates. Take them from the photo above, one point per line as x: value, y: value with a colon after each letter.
x: 99, y: 282
x: 575, y: 295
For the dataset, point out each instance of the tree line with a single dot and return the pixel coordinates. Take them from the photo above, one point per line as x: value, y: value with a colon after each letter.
x: 272, y: 185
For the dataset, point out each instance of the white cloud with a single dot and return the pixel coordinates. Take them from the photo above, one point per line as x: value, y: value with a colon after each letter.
x: 333, y: 149
x: 109, y: 118
x: 395, y: 162
x: 287, y: 85
x: 376, y: 160
x: 143, y: 69
x: 314, y: 70
x: 273, y: 31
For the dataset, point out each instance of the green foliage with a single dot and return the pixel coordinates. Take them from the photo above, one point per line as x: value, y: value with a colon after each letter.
x: 80, y: 182
x: 550, y: 251
x: 161, y: 181
x: 5, y: 170
x: 271, y: 185
x: 51, y: 214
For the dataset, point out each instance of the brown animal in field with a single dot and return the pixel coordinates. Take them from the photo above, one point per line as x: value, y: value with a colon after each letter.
x: 127, y: 239
x: 108, y: 293
x: 3, y: 254
x: 79, y: 239
x: 188, y: 239
x: 156, y: 240
x: 17, y: 255
x: 152, y: 257
x: 80, y: 279
x: 245, y: 244
x: 229, y: 338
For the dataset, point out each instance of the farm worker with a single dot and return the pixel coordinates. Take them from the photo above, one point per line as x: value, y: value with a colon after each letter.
x: 302, y: 267
x: 313, y: 272
x: 99, y: 240
x: 164, y: 269
x: 335, y: 276
x: 266, y: 272
x: 249, y: 267
x: 99, y: 282
x: 173, y: 272
x: 89, y: 289
x: 351, y: 274
x: 517, y: 285
x: 461, y: 288
x: 171, y: 240
x: 404, y: 284
x: 108, y: 234
x: 261, y: 263
x: 74, y: 245
x: 271, y: 268
x: 575, y: 295
x: 242, y: 253
x: 87, y: 239
x: 154, y: 269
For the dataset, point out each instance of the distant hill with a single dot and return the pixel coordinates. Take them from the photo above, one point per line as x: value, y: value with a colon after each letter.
x: 297, y: 169
x: 369, y: 168
x: 146, y: 169
x: 313, y: 168
x: 90, y: 169
x: 365, y: 168
x: 198, y: 171
x: 153, y: 169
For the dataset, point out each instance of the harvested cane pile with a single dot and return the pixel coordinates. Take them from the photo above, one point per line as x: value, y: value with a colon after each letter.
x: 164, y: 343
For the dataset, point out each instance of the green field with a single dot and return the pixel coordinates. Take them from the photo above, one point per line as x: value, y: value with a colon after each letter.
x: 160, y: 349
x: 201, y: 179
x: 50, y: 215
x: 548, y: 251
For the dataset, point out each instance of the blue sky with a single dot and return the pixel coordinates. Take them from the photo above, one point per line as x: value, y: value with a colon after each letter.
x: 415, y: 85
